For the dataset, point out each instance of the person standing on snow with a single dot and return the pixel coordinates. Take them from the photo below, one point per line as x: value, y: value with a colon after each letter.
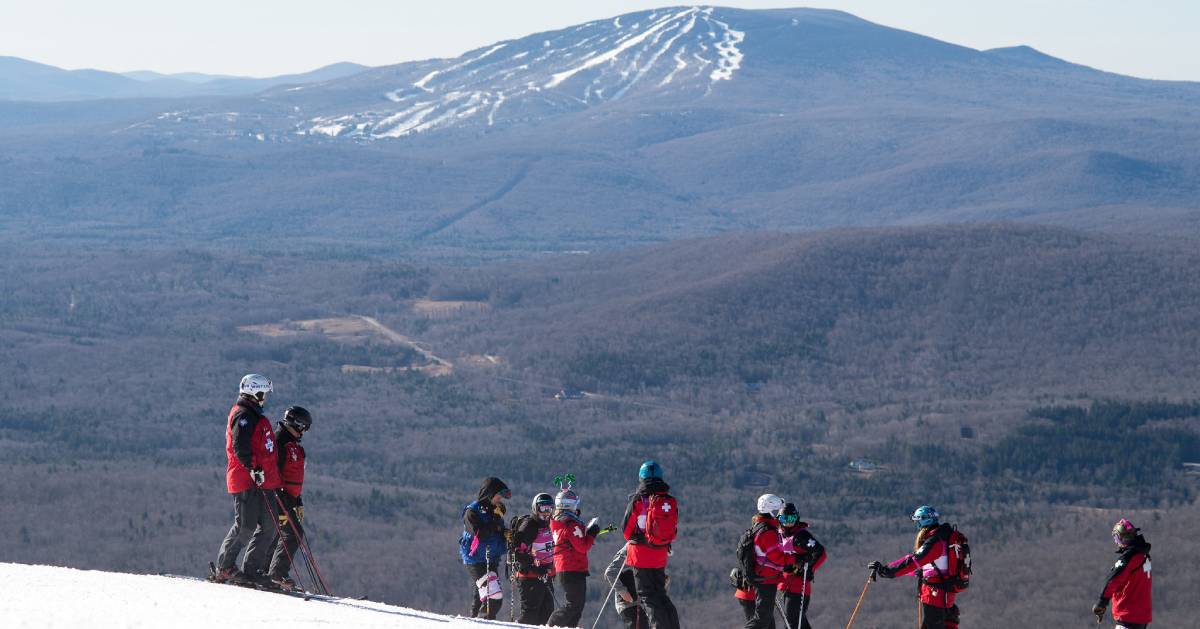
x: 650, y: 526
x: 483, y: 545
x: 797, y: 583
x: 252, y: 469
x: 770, y: 560
x: 1128, y: 585
x: 572, y: 541
x: 533, y: 554
x: 931, y: 562
x: 296, y: 421
x: 620, y: 577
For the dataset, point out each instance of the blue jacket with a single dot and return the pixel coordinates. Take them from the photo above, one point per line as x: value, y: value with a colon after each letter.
x: 483, y: 537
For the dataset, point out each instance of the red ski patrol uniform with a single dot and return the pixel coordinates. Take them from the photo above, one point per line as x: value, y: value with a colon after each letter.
x: 803, y: 545
x: 291, y: 467
x: 770, y: 558
x: 1128, y: 585
x: 932, y: 559
x: 571, y: 543
x: 651, y: 522
x: 249, y: 445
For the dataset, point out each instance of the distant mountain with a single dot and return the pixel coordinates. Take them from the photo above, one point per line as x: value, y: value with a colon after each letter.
x: 650, y: 126
x: 22, y: 80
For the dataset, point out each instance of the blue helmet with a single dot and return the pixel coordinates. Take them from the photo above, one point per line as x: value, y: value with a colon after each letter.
x: 650, y: 469
x: 925, y: 515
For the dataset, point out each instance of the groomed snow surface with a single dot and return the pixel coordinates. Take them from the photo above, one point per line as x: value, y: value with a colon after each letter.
x: 45, y: 596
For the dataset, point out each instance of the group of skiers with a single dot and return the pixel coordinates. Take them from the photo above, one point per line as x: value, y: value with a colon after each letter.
x: 549, y: 546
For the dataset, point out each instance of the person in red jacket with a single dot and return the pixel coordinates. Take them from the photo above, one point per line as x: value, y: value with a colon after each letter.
x: 651, y: 523
x: 770, y: 560
x: 572, y: 541
x: 810, y: 555
x: 1128, y: 585
x: 930, y: 560
x: 252, y: 469
x: 296, y: 421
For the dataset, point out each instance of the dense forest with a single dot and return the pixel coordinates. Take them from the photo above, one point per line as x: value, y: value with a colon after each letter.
x: 1033, y: 406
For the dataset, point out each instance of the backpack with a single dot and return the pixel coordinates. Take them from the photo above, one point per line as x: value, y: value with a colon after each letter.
x: 747, y: 559
x: 958, y: 562
x: 662, y: 520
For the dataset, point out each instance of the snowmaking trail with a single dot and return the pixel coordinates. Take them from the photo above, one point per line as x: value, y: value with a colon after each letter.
x: 53, y: 597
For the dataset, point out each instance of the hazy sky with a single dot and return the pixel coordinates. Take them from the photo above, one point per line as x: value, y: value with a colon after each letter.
x: 1147, y: 38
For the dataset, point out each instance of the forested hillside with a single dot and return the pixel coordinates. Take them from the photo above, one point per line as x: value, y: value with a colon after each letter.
x: 1045, y: 375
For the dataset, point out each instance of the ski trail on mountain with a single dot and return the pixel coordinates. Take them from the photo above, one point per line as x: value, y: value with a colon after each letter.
x: 447, y: 221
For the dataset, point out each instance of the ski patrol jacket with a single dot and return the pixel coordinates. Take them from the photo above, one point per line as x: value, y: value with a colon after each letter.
x: 770, y: 558
x: 533, y: 548
x: 571, y: 542
x: 291, y: 462
x: 1128, y: 585
x: 929, y: 562
x: 483, y: 535
x: 650, y: 549
x: 807, y: 549
x: 249, y: 445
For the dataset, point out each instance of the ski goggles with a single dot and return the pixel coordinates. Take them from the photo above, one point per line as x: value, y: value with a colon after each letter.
x: 789, y: 519
x: 545, y: 508
x: 506, y: 494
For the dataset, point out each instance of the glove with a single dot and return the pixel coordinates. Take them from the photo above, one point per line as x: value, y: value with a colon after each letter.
x: 1098, y: 608
x: 638, y: 537
x: 882, y: 570
x: 283, y: 520
x: 300, y: 513
x: 499, y: 510
x: 593, y: 527
x: 258, y: 476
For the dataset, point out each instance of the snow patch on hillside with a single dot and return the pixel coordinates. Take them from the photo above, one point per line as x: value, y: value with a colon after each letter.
x: 41, y: 597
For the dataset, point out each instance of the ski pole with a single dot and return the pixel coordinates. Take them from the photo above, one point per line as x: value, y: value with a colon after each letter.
x: 783, y: 613
x: 306, y: 552
x: 278, y: 530
x: 803, y: 594
x: 312, y: 577
x: 604, y: 603
x: 854, y: 614
x: 313, y: 560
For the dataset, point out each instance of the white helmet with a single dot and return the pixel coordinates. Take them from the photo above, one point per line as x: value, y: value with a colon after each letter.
x: 770, y: 503
x: 566, y: 500
x: 256, y: 386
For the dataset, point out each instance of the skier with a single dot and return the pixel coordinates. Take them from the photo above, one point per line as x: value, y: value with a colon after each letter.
x: 296, y: 421
x: 744, y: 592
x: 770, y: 560
x: 483, y: 544
x: 931, y: 562
x: 572, y: 541
x: 626, y: 601
x: 252, y: 470
x: 810, y: 554
x: 533, y: 556
x: 651, y: 523
x: 1128, y: 585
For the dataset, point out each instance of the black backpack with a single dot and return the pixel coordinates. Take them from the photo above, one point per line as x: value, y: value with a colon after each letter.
x: 746, y: 557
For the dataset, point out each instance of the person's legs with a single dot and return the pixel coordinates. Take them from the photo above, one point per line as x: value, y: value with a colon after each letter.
x: 258, y: 552
x: 747, y: 609
x: 490, y: 607
x: 933, y: 617
x: 533, y: 602
x: 651, y: 586
x: 764, y: 608
x: 245, y: 515
x: 286, y: 546
x: 574, y: 590
x: 476, y: 571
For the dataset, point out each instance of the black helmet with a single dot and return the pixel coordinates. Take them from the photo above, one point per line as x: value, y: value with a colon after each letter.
x: 543, y: 500
x: 297, y: 417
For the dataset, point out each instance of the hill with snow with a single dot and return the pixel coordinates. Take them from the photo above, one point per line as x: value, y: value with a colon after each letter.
x: 47, y: 597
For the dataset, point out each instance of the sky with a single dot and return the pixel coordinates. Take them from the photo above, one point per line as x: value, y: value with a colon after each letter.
x: 1157, y: 39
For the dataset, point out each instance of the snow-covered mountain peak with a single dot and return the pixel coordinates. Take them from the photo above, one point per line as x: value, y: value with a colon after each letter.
x: 679, y: 49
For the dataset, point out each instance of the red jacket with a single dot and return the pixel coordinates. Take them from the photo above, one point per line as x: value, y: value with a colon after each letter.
x: 1128, y: 585
x: 803, y: 545
x: 249, y: 445
x: 571, y: 543
x: 769, y: 556
x: 654, y: 509
x: 932, y: 560
x: 291, y: 462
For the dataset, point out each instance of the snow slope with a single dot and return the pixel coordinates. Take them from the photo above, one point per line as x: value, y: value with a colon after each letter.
x: 45, y: 597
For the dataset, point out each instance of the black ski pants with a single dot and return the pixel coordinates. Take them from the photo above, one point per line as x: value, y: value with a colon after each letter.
x: 939, y: 617
x: 289, y: 539
x: 491, y: 607
x: 574, y: 589
x: 1130, y: 625
x: 763, y: 616
x: 535, y: 601
x: 791, y: 608
x: 652, y: 593
x: 635, y: 618
x: 253, y: 523
x: 748, y: 611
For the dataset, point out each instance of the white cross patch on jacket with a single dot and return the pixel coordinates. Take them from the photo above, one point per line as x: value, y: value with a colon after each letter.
x: 578, y: 532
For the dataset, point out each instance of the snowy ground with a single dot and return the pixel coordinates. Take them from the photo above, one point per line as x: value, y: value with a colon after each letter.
x: 45, y: 596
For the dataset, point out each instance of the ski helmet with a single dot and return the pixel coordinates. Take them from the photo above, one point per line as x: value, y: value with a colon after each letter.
x: 256, y: 386
x: 1124, y: 532
x: 925, y: 515
x: 566, y: 500
x: 789, y: 516
x: 650, y: 469
x: 769, y: 503
x: 298, y: 418
x: 541, y: 501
